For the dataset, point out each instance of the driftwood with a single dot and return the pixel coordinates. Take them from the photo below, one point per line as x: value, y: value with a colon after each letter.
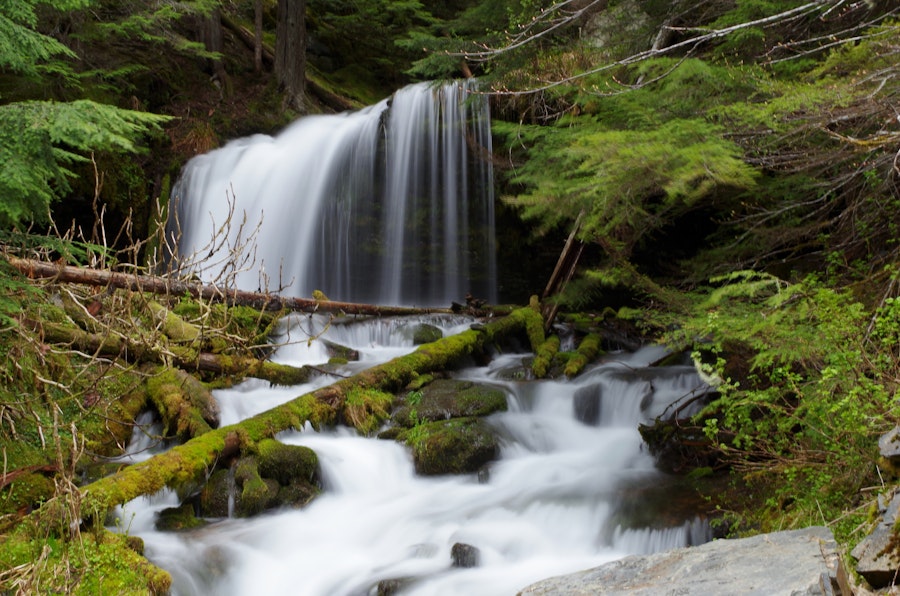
x: 188, y: 464
x: 174, y: 287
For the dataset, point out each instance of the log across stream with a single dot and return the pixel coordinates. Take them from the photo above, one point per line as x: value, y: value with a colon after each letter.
x: 573, y: 488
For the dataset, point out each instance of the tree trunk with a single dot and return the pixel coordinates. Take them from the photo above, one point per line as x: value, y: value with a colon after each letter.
x: 290, y: 52
x: 211, y: 36
x: 257, y: 36
x: 190, y: 462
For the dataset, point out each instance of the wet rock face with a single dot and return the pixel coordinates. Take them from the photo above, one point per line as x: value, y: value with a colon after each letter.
x: 795, y: 562
x: 586, y: 402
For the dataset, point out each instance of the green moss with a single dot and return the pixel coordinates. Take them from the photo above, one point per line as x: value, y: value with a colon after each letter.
x: 178, y: 518
x: 99, y: 562
x: 366, y: 409
x: 186, y: 406
x: 458, y: 446
x: 255, y: 493
x: 544, y: 356
x: 588, y: 350
x: 282, y: 374
x: 286, y: 463
x: 25, y: 492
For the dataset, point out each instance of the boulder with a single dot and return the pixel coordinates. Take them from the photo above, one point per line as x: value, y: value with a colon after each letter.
x: 424, y: 333
x: 794, y: 562
x: 889, y: 448
x: 586, y: 402
x: 448, y: 398
x: 878, y: 554
x: 457, y: 446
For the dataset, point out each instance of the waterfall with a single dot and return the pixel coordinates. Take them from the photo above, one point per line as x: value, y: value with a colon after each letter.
x: 392, y: 204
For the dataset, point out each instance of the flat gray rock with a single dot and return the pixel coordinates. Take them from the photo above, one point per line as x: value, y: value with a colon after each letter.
x: 798, y: 562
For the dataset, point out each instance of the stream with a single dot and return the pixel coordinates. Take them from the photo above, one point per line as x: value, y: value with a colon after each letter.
x: 574, y: 486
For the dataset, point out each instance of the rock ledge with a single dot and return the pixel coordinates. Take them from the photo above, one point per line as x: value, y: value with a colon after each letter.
x: 794, y: 562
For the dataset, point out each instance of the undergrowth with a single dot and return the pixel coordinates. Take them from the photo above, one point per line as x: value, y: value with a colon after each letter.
x: 806, y: 381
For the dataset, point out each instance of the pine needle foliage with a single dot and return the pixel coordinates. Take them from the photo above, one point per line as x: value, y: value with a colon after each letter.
x: 40, y: 140
x: 629, y: 183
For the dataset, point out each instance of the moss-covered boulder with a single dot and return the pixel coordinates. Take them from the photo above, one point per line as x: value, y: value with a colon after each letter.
x: 178, y: 518
x: 287, y: 463
x: 274, y: 475
x: 456, y: 446
x: 424, y: 333
x: 449, y: 398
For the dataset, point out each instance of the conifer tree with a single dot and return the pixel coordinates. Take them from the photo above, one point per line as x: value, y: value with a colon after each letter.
x: 41, y: 138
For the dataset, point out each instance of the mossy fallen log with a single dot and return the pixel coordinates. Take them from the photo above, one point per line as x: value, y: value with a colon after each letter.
x: 186, y: 406
x: 192, y: 461
x: 587, y: 351
x: 115, y: 345
x: 543, y: 358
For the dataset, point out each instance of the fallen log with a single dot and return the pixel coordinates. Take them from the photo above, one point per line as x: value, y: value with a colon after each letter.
x: 189, y: 463
x: 174, y: 287
x: 114, y: 345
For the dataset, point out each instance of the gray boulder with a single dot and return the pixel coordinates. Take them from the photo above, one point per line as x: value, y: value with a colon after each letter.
x: 877, y: 554
x: 798, y: 562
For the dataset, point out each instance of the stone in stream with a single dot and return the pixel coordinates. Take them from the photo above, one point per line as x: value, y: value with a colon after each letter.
x: 465, y: 555
x: 794, y: 562
x: 586, y: 403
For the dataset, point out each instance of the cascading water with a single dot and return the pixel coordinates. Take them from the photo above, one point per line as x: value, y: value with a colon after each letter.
x: 568, y: 493
x: 390, y: 205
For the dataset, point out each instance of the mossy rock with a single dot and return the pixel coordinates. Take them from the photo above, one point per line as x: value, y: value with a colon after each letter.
x: 255, y: 494
x: 458, y: 446
x: 340, y: 352
x: 214, y: 496
x: 297, y: 494
x: 449, y: 398
x: 424, y: 333
x: 178, y: 518
x: 287, y: 463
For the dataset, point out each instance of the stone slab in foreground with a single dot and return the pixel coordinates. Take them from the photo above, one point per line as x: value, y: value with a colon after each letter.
x: 797, y: 562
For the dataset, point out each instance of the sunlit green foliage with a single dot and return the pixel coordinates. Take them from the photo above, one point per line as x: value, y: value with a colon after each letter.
x: 628, y: 183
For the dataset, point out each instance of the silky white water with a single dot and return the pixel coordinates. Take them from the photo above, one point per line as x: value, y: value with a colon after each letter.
x: 553, y: 503
x: 393, y: 204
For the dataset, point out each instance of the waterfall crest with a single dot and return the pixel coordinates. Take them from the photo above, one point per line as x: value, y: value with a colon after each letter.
x: 393, y: 204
